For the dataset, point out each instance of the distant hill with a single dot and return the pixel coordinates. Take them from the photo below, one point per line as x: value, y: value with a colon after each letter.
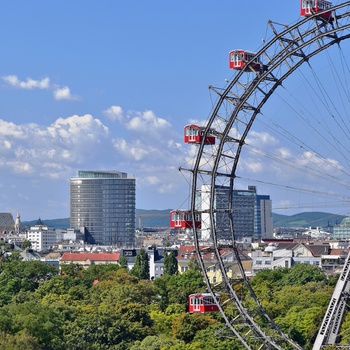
x: 160, y: 218
x: 153, y: 218
x: 307, y: 219
x: 148, y: 218
x: 57, y: 223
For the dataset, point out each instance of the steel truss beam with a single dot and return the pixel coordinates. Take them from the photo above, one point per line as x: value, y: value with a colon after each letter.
x: 237, y: 106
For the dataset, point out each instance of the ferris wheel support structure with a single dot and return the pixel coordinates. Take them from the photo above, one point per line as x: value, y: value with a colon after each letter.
x: 214, y: 168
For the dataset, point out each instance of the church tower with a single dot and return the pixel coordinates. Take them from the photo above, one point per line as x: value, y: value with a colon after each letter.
x: 18, y: 224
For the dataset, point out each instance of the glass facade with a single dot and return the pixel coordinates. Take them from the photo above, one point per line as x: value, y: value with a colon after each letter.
x: 264, y: 217
x: 103, y: 203
x: 244, y: 212
x: 342, y: 231
x: 251, y: 213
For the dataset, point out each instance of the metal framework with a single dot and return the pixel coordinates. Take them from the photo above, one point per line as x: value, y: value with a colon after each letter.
x: 328, y: 333
x: 214, y: 168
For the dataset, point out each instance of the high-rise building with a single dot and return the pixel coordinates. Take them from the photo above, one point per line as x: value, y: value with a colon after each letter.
x: 102, y: 203
x: 264, y: 217
x: 251, y: 213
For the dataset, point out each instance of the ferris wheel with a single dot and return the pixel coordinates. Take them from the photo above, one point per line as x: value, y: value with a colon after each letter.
x: 225, y: 139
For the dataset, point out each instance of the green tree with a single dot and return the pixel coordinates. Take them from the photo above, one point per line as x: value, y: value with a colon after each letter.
x: 13, y: 255
x: 194, y: 265
x: 72, y: 270
x: 153, y: 342
x: 123, y: 262
x: 141, y: 265
x: 26, y: 244
x: 21, y: 341
x: 176, y: 289
x: 207, y: 340
x: 19, y: 276
x: 186, y: 326
x: 122, y: 290
x: 106, y: 327
x: 301, y: 274
x: 98, y: 272
x: 42, y: 322
x: 170, y: 264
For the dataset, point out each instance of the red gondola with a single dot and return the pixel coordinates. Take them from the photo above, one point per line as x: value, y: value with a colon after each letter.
x: 309, y: 7
x: 194, y: 134
x: 238, y: 59
x: 183, y: 219
x: 202, y: 302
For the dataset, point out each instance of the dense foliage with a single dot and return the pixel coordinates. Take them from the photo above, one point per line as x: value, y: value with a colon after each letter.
x: 107, y: 307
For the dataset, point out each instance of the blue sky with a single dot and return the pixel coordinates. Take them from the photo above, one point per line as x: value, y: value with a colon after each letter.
x: 89, y: 85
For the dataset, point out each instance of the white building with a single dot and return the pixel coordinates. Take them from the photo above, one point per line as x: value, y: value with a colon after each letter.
x: 287, y: 254
x: 41, y: 236
x: 251, y: 213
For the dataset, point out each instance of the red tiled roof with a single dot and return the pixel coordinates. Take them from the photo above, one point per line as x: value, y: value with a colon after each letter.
x: 318, y: 250
x: 338, y: 251
x: 90, y: 256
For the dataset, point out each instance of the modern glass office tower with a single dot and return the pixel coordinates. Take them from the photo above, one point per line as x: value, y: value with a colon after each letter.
x: 244, y: 205
x: 264, y: 217
x: 251, y: 215
x: 103, y: 204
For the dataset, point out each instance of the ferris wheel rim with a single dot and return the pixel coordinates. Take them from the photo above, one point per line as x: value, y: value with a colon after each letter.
x: 281, y: 57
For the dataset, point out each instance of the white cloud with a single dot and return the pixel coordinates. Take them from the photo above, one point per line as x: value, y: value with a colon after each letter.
x: 166, y: 188
x: 134, y: 150
x: 260, y: 139
x: 6, y: 144
x: 152, y: 180
x: 145, y: 121
x: 10, y: 129
x: 59, y: 92
x: 255, y: 167
x: 57, y: 151
x: 114, y: 113
x: 67, y: 142
x: 29, y: 84
x: 63, y: 93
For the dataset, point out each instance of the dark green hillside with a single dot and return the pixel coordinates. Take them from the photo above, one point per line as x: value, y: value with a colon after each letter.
x: 306, y: 219
x: 57, y: 223
x: 153, y: 218
x: 149, y: 218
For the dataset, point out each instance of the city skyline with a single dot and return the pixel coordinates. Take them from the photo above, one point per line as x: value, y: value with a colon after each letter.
x: 111, y: 86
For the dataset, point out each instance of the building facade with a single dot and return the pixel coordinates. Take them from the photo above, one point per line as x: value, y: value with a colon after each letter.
x: 41, y: 236
x: 264, y: 226
x: 342, y: 231
x: 102, y: 204
x: 244, y: 212
x: 7, y: 224
x: 251, y: 213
